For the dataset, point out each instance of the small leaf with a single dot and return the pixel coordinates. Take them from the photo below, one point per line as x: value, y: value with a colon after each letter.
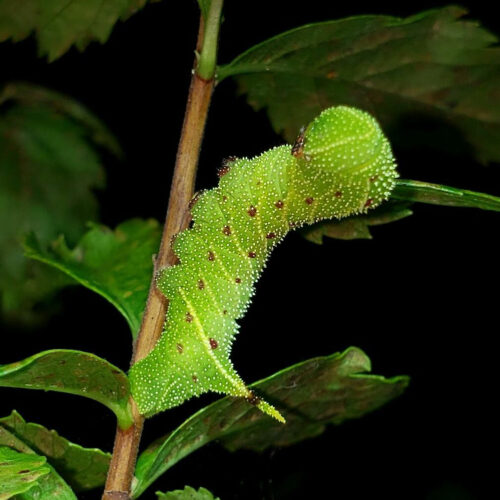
x: 432, y: 64
x: 49, y: 168
x: 72, y: 372
x: 311, y: 394
x: 59, y: 24
x: 50, y: 487
x: 437, y: 194
x: 19, y: 472
x: 82, y: 468
x: 187, y: 493
x: 116, y: 264
x: 356, y: 227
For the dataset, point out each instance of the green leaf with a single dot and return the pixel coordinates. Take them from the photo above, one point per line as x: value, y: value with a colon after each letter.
x: 72, y: 372
x: 49, y: 168
x: 437, y: 194
x: 310, y: 394
x: 29, y: 95
x: 50, y: 487
x: 19, y: 472
x: 187, y: 493
x: 82, y: 468
x: 59, y: 24
x: 432, y: 64
x: 357, y: 227
x: 405, y: 193
x: 116, y: 264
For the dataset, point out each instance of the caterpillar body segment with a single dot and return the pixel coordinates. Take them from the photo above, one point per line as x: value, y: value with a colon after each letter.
x: 341, y: 165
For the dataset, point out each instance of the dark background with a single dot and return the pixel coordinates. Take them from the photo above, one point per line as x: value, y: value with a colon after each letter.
x: 419, y: 299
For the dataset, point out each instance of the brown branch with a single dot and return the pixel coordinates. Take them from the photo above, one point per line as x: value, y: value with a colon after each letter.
x: 121, y: 471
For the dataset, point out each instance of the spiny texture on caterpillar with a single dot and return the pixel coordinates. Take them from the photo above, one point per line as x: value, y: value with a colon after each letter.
x: 341, y: 165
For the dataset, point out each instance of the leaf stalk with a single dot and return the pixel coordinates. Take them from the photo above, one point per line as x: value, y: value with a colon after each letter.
x: 208, y: 55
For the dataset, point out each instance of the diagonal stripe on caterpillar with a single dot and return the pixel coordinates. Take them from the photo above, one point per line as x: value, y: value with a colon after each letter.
x: 341, y: 165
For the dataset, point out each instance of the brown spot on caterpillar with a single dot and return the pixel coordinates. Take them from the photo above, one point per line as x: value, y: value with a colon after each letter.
x: 195, y: 379
x: 252, y: 211
x: 258, y: 183
x: 226, y: 166
x: 201, y: 284
x: 222, y: 171
x: 368, y: 202
x: 309, y: 200
x: 373, y: 178
x: 292, y: 224
x: 23, y: 471
x: 194, y: 199
x: 238, y: 280
x: 252, y: 255
x: 224, y: 311
x: 211, y: 255
x: 253, y: 399
x: 270, y: 236
x: 298, y: 145
x: 227, y: 230
x: 338, y: 194
x: 279, y: 204
x: 213, y: 343
x: 179, y: 348
x: 189, y: 317
x: 224, y: 198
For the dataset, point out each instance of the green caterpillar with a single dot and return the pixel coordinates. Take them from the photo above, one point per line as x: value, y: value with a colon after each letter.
x: 341, y: 165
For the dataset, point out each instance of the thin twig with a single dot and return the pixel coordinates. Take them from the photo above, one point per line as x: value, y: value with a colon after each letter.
x: 121, y: 471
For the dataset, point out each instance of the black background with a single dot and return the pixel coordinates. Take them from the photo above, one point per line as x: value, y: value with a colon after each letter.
x: 419, y: 299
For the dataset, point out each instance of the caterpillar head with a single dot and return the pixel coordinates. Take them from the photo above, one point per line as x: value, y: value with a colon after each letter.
x: 349, y: 144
